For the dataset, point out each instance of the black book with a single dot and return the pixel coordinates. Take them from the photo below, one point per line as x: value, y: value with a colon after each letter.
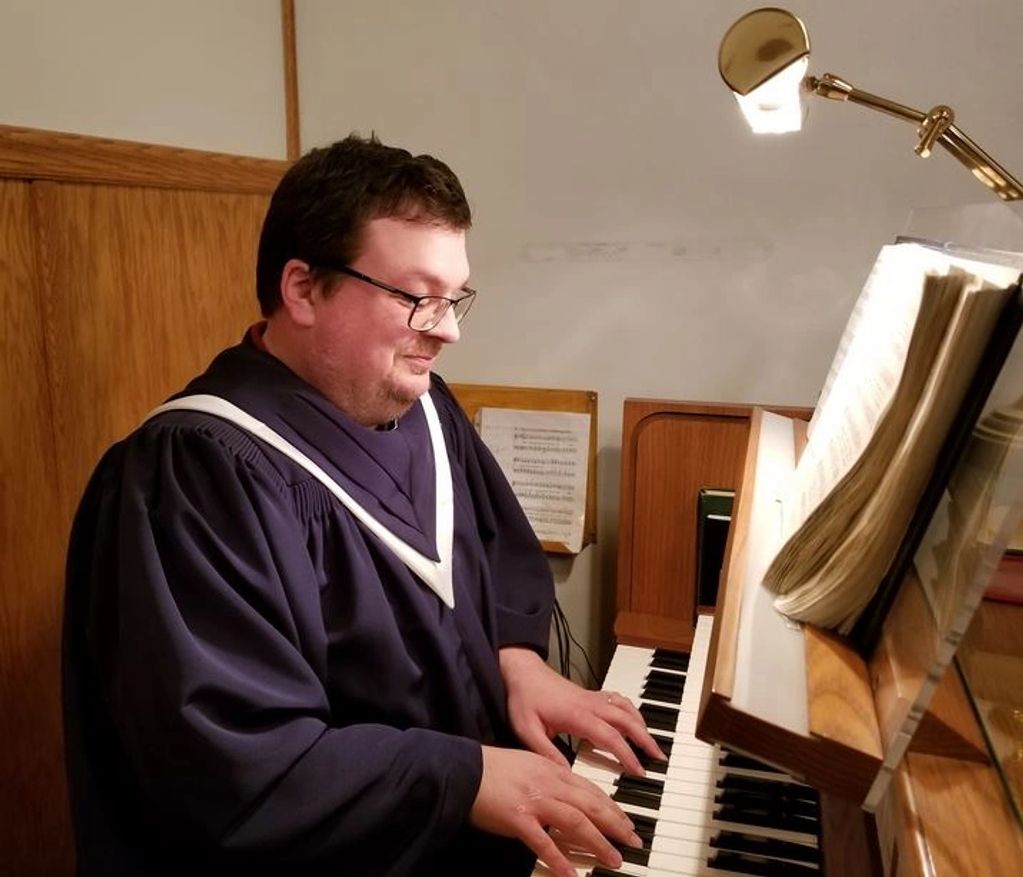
x: 713, y: 516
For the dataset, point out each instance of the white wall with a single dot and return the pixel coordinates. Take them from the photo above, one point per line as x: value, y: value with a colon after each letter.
x: 631, y: 236
x: 205, y: 75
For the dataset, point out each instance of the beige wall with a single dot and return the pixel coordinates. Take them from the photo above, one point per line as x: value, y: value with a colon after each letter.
x: 631, y: 236
x: 206, y: 75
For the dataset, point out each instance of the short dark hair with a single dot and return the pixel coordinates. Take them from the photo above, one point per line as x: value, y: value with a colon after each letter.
x: 322, y: 204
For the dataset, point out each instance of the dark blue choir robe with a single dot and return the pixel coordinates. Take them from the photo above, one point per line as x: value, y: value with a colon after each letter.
x: 253, y: 683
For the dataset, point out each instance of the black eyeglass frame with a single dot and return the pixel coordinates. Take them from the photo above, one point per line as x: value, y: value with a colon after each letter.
x: 414, y: 300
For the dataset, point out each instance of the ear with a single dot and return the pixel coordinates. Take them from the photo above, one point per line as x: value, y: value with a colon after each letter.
x: 297, y: 287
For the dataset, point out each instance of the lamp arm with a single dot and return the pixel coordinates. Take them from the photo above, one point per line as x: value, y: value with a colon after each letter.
x: 937, y: 126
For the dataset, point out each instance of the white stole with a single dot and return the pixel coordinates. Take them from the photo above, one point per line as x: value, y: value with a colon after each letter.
x: 436, y: 574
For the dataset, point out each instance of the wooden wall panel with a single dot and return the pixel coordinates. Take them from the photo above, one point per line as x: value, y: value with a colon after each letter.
x: 142, y: 288
x: 124, y: 267
x: 34, y: 825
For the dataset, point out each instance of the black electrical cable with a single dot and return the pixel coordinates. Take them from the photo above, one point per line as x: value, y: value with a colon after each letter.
x: 565, y: 639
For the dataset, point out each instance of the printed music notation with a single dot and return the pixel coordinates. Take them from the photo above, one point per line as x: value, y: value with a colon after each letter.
x: 544, y: 456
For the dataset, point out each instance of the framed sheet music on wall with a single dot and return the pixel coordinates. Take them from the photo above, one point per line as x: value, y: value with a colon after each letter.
x: 545, y: 440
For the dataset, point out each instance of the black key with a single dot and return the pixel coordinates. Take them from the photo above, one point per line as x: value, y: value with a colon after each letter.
x: 644, y: 826
x: 734, y: 759
x: 661, y: 718
x: 644, y: 791
x: 664, y: 743
x: 672, y: 683
x: 601, y: 871
x: 663, y: 688
x: 638, y: 797
x: 649, y: 784
x: 671, y: 656
x: 740, y: 842
x: 635, y: 855
x: 657, y: 692
x: 746, y: 863
x: 648, y: 762
x: 767, y: 817
x: 670, y: 660
x: 778, y: 788
x: 663, y: 678
x: 781, y: 805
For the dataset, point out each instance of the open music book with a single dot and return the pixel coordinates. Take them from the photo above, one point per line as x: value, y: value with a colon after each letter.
x: 929, y: 332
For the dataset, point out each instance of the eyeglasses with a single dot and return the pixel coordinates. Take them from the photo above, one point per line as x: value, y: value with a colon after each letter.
x: 427, y: 310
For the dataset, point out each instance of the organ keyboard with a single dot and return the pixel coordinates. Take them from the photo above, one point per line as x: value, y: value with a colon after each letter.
x: 706, y: 811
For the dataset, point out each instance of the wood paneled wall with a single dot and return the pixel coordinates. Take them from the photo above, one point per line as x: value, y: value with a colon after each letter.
x: 123, y: 269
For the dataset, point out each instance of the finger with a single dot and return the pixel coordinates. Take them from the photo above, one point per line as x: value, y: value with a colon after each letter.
x: 645, y: 741
x: 624, y: 704
x: 536, y: 739
x: 610, y: 739
x: 578, y: 830
x: 629, y: 721
x: 547, y: 851
x: 551, y: 752
x: 600, y: 809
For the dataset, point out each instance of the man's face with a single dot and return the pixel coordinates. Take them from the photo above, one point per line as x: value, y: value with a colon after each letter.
x: 367, y: 359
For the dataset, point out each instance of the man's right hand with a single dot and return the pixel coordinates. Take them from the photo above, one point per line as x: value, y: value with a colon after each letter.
x: 522, y: 794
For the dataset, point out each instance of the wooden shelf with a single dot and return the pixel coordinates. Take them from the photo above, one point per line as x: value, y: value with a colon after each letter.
x: 841, y: 751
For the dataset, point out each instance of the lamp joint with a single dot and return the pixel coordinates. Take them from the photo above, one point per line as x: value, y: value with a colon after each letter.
x: 829, y: 86
x: 935, y: 123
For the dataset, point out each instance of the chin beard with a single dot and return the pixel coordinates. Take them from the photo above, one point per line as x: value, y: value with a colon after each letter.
x: 394, y: 402
x: 389, y: 401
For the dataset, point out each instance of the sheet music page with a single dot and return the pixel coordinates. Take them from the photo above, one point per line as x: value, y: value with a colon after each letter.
x: 852, y: 327
x: 545, y: 457
x: 863, y: 379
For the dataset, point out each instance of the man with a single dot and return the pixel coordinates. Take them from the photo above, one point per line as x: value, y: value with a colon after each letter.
x: 306, y: 619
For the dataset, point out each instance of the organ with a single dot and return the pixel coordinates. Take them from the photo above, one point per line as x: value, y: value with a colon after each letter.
x: 944, y: 810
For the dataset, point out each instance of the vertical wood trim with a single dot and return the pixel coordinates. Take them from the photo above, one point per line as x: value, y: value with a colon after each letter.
x: 44, y: 194
x: 290, y: 79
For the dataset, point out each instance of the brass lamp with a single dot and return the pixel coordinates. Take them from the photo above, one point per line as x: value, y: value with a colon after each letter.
x: 763, y: 59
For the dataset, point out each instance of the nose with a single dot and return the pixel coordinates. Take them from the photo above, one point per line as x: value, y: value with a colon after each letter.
x: 447, y: 329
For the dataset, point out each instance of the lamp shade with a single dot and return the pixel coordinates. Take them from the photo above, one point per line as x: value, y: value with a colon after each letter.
x: 759, y: 46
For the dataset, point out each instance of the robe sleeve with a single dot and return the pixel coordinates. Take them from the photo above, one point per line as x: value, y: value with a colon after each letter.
x: 203, y: 612
x: 521, y: 577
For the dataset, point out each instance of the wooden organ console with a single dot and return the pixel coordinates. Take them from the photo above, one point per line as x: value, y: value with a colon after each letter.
x: 745, y: 794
